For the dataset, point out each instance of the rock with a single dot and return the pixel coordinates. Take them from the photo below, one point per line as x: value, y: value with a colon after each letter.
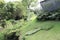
x: 32, y: 31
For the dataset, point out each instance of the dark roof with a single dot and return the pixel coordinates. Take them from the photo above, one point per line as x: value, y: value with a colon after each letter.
x: 50, y: 5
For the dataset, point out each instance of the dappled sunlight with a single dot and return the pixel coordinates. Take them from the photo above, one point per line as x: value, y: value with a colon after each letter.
x: 27, y: 20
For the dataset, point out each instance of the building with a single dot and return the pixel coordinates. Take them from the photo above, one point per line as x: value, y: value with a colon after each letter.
x: 50, y: 5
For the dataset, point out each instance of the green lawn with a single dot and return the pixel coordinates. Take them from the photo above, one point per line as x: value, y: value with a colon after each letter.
x: 53, y: 34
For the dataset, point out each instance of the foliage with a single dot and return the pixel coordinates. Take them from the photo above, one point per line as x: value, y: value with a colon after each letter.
x: 12, y: 10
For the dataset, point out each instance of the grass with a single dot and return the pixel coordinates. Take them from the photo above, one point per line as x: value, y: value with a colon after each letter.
x: 53, y: 34
x: 1, y: 36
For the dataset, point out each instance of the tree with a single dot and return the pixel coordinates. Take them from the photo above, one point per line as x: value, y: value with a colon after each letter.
x: 15, y: 10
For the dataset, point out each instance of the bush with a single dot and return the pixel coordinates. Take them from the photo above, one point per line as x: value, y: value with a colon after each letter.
x: 12, y: 10
x: 54, y: 15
